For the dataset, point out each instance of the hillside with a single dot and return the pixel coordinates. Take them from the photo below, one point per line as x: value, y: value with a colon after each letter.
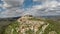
x: 28, y: 24
x: 6, y: 21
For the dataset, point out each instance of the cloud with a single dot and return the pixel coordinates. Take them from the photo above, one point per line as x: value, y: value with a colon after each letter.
x: 14, y: 3
x: 12, y: 8
x: 14, y: 12
x: 48, y: 8
x: 42, y: 0
x: 52, y: 4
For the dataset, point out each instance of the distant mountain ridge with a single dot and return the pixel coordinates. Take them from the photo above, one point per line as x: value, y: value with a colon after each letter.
x: 48, y: 17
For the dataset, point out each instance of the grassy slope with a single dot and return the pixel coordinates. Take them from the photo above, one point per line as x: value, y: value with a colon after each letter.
x: 15, y: 25
x: 54, y: 26
x: 12, y: 28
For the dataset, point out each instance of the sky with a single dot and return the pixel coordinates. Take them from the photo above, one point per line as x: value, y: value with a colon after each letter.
x: 15, y: 8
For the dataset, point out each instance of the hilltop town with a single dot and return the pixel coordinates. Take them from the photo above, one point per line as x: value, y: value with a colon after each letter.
x: 28, y: 24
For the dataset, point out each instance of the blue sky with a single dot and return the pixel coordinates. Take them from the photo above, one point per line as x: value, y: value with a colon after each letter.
x: 14, y: 8
x: 30, y: 3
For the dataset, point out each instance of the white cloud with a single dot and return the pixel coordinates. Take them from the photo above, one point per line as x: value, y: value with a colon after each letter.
x: 36, y: 0
x: 47, y: 8
x: 48, y: 3
x: 5, y: 6
x: 52, y: 4
x: 0, y: 5
x: 14, y: 3
x: 12, y: 8
x: 14, y: 12
x: 40, y: 0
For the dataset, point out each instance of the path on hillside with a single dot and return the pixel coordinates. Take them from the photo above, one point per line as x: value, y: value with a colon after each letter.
x: 43, y: 28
